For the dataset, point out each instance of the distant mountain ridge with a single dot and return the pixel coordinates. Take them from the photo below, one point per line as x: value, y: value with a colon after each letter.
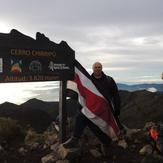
x: 39, y: 114
x: 136, y: 87
x: 137, y: 108
x: 37, y: 119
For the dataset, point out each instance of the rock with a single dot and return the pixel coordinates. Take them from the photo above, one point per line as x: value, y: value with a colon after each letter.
x: 95, y: 153
x: 122, y: 143
x: 152, y: 159
x: 130, y: 132
x: 45, y: 146
x: 22, y: 151
x: 54, y: 147
x: 51, y: 138
x: 146, y: 150
x: 32, y: 137
x: 34, y: 146
x: 50, y: 158
x: 136, y: 141
x: 62, y: 161
x: 64, y: 153
x: 1, y: 148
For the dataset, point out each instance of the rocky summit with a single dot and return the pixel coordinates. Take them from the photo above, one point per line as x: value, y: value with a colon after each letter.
x: 28, y: 133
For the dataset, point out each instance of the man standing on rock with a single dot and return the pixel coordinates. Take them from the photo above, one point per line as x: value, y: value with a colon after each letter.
x: 110, y: 91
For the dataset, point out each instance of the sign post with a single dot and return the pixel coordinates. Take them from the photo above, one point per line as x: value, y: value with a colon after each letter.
x: 62, y: 112
x: 24, y: 59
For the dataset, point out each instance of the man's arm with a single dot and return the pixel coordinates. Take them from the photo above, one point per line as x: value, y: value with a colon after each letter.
x: 116, y: 98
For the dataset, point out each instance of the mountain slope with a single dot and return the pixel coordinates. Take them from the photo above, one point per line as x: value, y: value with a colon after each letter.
x: 137, y: 108
x: 49, y: 107
x: 52, y: 108
x: 38, y: 119
x: 141, y: 106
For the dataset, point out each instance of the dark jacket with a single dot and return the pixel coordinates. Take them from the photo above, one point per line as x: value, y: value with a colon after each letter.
x: 107, y: 86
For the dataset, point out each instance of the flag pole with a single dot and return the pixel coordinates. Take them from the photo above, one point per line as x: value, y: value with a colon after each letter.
x: 62, y: 112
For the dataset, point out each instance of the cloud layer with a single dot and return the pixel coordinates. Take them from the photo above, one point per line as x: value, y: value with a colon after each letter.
x: 125, y: 35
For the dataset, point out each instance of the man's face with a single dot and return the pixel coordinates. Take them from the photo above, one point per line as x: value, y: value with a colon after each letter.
x: 97, y: 69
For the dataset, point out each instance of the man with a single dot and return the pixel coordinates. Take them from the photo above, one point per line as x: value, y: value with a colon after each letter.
x: 110, y: 91
x: 108, y: 85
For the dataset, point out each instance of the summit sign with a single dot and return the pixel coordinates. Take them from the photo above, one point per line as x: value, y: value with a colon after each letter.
x: 24, y: 59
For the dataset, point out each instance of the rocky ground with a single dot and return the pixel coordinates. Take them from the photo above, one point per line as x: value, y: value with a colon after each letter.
x: 44, y: 148
x: 13, y: 155
x: 23, y: 154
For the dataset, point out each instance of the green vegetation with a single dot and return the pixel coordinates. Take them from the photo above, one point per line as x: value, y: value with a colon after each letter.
x: 10, y: 130
x: 140, y: 107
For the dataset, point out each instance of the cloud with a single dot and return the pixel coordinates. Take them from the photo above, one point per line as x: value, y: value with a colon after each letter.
x: 152, y: 89
x: 125, y: 35
x: 46, y: 94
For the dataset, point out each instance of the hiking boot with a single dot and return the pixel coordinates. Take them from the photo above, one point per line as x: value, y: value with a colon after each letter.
x: 73, y: 142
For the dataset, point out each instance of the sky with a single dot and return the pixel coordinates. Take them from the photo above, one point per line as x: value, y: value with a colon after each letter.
x: 126, y: 36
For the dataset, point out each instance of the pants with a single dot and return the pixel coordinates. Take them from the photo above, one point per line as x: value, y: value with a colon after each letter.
x: 82, y: 122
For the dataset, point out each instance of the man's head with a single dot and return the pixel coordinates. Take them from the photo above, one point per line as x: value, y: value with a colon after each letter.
x: 97, y: 69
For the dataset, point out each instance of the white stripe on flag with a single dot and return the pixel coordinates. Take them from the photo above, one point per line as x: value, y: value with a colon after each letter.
x: 87, y: 83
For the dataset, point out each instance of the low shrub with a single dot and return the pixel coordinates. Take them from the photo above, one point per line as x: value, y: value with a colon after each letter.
x: 10, y: 130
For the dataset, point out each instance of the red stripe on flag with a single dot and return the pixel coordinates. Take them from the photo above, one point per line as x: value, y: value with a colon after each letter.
x: 97, y: 105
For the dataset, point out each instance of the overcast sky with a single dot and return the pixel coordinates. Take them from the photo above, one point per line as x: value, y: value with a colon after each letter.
x: 126, y: 36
